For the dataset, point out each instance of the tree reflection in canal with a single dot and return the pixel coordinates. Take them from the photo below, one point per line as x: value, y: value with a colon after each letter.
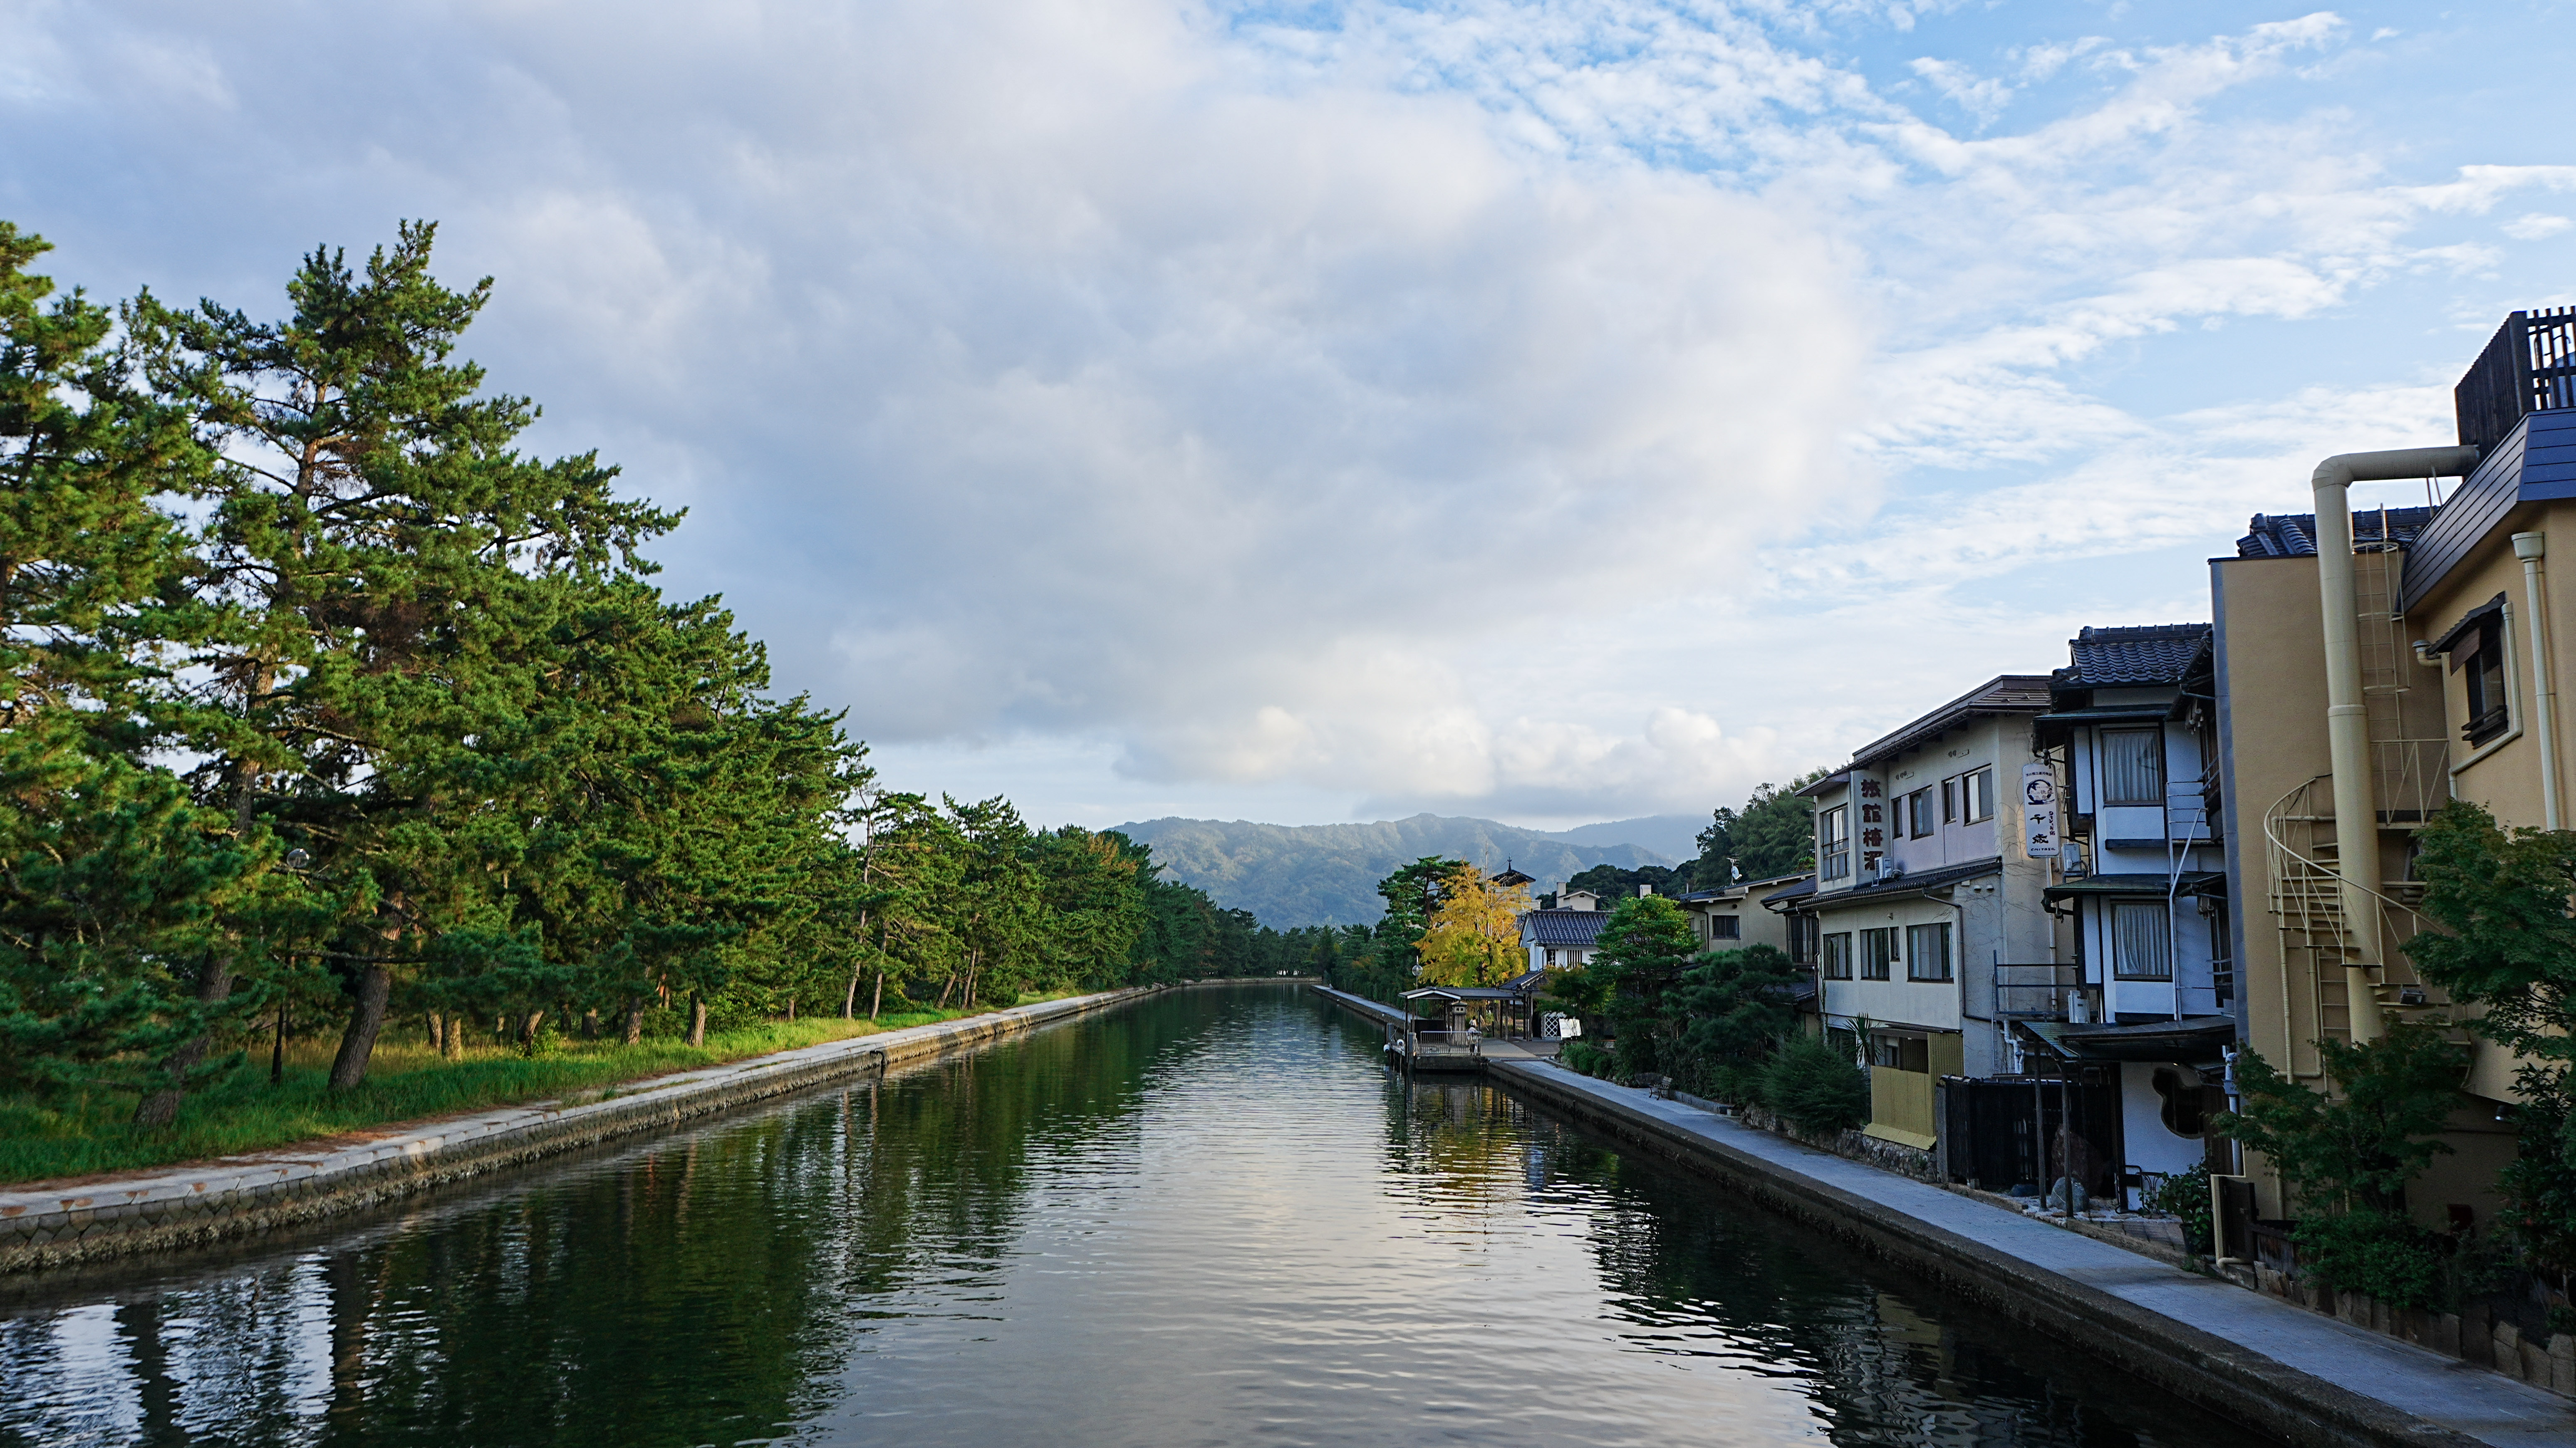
x: 1212, y: 1218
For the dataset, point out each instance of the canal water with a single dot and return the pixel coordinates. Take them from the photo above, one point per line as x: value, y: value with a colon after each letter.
x: 1209, y: 1218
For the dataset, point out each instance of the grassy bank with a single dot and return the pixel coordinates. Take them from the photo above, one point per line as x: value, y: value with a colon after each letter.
x: 406, y: 1081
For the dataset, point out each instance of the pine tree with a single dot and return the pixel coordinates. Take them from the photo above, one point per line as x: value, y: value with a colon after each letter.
x: 112, y: 881
x: 377, y: 548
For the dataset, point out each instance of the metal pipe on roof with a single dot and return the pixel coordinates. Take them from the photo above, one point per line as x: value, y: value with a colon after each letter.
x: 2347, y: 718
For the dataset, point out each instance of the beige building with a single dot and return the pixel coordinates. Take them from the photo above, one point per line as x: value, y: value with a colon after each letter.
x: 1733, y: 918
x: 2430, y: 638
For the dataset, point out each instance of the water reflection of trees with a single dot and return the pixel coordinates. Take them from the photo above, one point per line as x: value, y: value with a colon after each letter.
x: 707, y: 1289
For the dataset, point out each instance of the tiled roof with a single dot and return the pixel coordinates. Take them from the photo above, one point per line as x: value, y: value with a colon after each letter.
x: 1561, y: 928
x: 2158, y: 653
x: 2293, y: 535
x: 1930, y: 879
x: 2003, y: 694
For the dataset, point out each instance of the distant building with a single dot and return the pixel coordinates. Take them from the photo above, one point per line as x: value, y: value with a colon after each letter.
x: 1567, y: 936
x: 1733, y: 917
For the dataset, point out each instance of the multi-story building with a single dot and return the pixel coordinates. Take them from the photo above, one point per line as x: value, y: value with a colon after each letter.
x: 2370, y: 665
x: 2132, y: 1013
x: 1922, y: 887
x: 2145, y: 884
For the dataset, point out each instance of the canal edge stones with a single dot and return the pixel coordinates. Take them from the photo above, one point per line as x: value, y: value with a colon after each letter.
x: 179, y: 1209
x: 2199, y: 1367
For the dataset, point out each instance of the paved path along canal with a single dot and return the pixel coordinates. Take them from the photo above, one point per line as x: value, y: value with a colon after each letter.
x: 1210, y: 1217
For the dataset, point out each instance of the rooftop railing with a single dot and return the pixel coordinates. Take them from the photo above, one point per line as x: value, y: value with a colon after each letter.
x: 2529, y: 366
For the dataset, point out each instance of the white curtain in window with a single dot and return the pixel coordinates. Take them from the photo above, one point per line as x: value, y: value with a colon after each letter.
x: 2133, y: 766
x: 2140, y: 947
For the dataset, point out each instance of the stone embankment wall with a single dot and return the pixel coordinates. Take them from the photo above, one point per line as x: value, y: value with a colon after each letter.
x: 200, y: 1204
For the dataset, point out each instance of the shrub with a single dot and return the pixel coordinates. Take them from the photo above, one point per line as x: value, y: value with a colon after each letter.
x: 1635, y: 1052
x: 1585, y: 1057
x: 1735, y: 1082
x: 2186, y: 1195
x: 2374, y: 1252
x: 1815, y: 1087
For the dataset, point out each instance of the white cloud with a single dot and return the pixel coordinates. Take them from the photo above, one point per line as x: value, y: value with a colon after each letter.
x: 1983, y: 98
x: 1403, y: 404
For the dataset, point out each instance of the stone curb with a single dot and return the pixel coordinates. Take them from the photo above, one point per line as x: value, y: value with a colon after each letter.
x: 171, y: 1209
x: 2199, y: 1367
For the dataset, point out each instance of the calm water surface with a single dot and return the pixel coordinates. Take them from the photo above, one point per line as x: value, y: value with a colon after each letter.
x: 1210, y: 1218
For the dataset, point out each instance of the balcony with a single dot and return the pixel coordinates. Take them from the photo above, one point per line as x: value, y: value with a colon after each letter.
x: 2035, y: 992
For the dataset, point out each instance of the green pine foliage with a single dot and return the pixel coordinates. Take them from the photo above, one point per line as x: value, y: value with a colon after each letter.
x: 332, y: 716
x: 1815, y: 1087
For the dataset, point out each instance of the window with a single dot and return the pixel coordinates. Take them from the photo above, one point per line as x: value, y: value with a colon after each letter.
x: 2140, y: 947
x: 1949, y: 801
x: 2481, y: 666
x: 1726, y: 927
x: 2133, y: 766
x: 1837, y: 955
x: 1927, y: 952
x: 1976, y: 796
x: 1918, y: 813
x: 1900, y: 1053
x: 1833, y: 843
x: 1877, y: 952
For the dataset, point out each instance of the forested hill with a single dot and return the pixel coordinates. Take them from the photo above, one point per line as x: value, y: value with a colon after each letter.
x: 1291, y: 875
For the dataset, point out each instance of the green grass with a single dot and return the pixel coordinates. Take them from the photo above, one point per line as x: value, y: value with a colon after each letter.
x: 406, y: 1081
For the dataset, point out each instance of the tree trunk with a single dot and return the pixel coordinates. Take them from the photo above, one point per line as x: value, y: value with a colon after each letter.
x: 437, y: 1034
x: 366, y: 1021
x: 945, y: 987
x: 634, y: 1032
x: 160, y: 1108
x: 697, y: 1019
x: 850, y: 997
x: 880, y: 996
x: 590, y: 1024
x: 791, y: 1010
x: 451, y: 1042
x: 528, y: 1031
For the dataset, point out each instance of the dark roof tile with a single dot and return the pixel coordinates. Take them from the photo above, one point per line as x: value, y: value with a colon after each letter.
x: 2294, y: 535
x: 1563, y: 927
x: 2160, y: 653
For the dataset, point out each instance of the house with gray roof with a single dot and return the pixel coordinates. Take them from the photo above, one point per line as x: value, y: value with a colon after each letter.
x: 1922, y: 889
x: 2142, y: 877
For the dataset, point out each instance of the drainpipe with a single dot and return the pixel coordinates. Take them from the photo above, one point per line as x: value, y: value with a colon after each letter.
x: 2347, y: 719
x: 2529, y: 547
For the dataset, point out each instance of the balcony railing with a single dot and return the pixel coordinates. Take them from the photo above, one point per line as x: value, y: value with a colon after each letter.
x: 2529, y: 366
x: 2036, y: 992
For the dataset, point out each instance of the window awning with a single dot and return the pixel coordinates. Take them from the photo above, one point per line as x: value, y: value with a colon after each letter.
x: 2111, y: 714
x: 2468, y: 621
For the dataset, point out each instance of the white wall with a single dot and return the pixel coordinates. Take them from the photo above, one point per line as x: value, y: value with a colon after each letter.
x: 2145, y: 1140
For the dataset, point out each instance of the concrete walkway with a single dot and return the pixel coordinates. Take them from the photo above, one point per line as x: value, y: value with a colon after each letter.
x: 2473, y: 1401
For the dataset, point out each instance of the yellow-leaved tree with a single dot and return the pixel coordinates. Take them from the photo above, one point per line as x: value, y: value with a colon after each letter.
x: 1474, y: 936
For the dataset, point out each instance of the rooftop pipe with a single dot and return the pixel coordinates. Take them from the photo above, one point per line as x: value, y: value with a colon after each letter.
x: 2347, y: 719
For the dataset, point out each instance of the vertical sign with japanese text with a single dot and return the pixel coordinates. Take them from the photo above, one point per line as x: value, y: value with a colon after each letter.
x: 2039, y: 809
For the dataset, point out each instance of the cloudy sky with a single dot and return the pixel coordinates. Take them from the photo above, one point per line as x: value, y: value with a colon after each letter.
x: 1306, y: 412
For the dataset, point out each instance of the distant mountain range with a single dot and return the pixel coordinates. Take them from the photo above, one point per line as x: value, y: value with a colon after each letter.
x: 1291, y: 875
